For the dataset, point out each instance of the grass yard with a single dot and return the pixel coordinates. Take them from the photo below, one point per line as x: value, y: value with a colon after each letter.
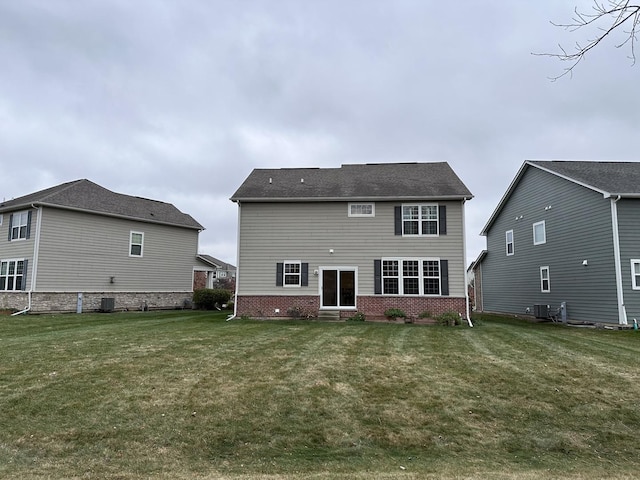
x: 182, y: 395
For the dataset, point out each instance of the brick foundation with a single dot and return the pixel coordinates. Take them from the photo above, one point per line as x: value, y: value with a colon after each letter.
x: 263, y: 306
x: 42, y: 302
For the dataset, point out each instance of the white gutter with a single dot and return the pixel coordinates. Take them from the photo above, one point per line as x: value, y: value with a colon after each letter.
x: 464, y: 265
x: 622, y: 312
x: 235, y: 299
x: 34, y: 261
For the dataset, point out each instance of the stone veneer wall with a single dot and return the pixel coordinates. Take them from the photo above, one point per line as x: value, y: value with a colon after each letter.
x: 373, y: 307
x: 42, y: 302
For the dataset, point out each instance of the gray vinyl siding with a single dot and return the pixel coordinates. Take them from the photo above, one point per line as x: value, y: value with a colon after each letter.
x: 79, y: 252
x: 629, y: 231
x: 578, y: 227
x: 18, y: 249
x: 277, y: 232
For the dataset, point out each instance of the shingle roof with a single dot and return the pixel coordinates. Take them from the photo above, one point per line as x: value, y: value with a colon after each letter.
x: 87, y: 196
x: 215, y: 262
x: 365, y: 181
x: 611, y: 178
x: 608, y: 178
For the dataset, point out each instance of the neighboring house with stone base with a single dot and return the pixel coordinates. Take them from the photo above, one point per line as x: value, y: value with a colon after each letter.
x: 209, y: 272
x: 331, y: 242
x: 80, y: 247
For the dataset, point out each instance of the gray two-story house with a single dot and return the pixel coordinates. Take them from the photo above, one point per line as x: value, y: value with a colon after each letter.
x: 359, y: 238
x: 564, y: 242
x: 80, y: 247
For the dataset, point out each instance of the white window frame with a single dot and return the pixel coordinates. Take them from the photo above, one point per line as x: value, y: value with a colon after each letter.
x: 401, y: 277
x: 544, y: 233
x: 286, y: 263
x: 544, y: 278
x: 131, y: 243
x: 509, y: 243
x: 358, y: 209
x: 420, y: 218
x: 635, y: 277
x: 18, y: 217
x: 15, y: 275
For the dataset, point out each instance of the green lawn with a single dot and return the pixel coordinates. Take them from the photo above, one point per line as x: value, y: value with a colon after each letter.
x: 181, y: 395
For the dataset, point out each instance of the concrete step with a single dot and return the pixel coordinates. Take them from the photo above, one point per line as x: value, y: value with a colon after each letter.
x: 329, y: 315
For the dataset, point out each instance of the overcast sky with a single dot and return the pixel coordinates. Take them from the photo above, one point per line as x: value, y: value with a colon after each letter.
x: 179, y: 100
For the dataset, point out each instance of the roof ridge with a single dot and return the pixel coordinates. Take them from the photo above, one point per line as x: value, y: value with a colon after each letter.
x: 70, y: 184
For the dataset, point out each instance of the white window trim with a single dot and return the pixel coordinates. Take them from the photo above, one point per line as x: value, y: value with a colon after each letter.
x: 507, y: 243
x: 284, y: 273
x: 420, y: 277
x: 544, y: 233
x: 548, y: 290
x: 16, y: 260
x: 371, y: 204
x: 131, y: 244
x: 634, y: 284
x: 13, y: 225
x: 420, y: 220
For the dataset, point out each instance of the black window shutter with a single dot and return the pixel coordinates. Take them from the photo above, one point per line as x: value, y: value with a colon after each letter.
x: 24, y: 274
x: 279, y: 272
x: 304, y: 275
x: 444, y: 277
x: 10, y: 225
x: 28, y: 224
x: 377, y: 277
x: 397, y: 211
x: 442, y: 219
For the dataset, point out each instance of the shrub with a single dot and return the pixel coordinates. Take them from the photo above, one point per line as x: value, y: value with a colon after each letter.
x: 209, y: 299
x: 449, y: 318
x: 394, y: 313
x: 357, y: 317
x: 425, y: 314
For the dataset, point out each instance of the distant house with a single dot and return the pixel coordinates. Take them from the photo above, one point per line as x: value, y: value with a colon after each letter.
x: 359, y: 238
x: 209, y: 272
x: 564, y: 242
x: 80, y: 247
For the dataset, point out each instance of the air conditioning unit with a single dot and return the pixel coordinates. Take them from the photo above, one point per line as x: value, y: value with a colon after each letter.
x: 107, y: 304
x: 541, y: 311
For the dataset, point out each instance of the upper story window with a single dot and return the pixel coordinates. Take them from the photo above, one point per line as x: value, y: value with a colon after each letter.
x: 136, y: 243
x: 539, y: 233
x: 19, y: 225
x: 362, y: 210
x: 635, y: 274
x: 12, y: 274
x: 420, y: 219
x: 509, y: 242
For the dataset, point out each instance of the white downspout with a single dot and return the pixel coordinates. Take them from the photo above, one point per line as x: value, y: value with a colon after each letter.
x: 464, y: 265
x: 622, y: 312
x: 34, y: 261
x: 235, y: 299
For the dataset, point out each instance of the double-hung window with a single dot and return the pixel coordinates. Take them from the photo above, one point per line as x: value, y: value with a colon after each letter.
x: 136, y: 244
x: 12, y: 274
x: 509, y: 242
x: 420, y: 219
x: 635, y: 274
x: 19, y: 225
x: 539, y: 233
x: 291, y: 274
x: 411, y: 277
x: 545, y: 285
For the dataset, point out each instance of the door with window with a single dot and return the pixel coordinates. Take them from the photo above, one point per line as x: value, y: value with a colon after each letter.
x: 338, y: 287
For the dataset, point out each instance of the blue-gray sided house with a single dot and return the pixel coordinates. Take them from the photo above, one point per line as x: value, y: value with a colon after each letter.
x: 80, y: 247
x: 359, y: 238
x: 565, y: 241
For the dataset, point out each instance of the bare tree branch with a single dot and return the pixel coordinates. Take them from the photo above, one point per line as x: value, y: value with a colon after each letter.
x: 604, y: 18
